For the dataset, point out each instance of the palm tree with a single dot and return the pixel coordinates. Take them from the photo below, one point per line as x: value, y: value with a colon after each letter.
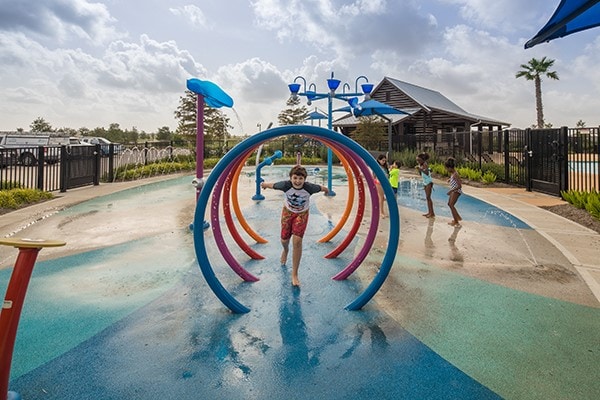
x: 533, y: 71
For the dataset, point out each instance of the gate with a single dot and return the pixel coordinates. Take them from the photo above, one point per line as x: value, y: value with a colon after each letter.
x: 79, y: 167
x: 547, y: 160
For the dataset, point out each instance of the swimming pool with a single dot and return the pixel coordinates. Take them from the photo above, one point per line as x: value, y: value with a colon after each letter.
x: 584, y: 166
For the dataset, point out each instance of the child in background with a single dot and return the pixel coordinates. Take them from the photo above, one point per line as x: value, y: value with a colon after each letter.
x: 294, y: 216
x: 455, y: 190
x: 382, y: 161
x: 395, y: 176
x: 427, y: 182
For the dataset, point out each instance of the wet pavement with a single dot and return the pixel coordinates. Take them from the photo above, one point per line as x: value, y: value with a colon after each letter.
x: 489, y: 310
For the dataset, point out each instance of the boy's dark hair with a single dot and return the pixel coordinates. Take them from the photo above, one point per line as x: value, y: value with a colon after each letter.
x: 396, y: 162
x: 424, y: 156
x: 450, y: 163
x: 299, y: 171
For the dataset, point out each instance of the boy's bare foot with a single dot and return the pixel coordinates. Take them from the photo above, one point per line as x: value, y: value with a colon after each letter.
x: 429, y: 215
x: 453, y: 223
x: 295, y: 282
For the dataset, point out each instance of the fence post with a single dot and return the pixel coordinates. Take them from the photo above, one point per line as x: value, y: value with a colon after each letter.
x: 479, y: 145
x: 97, y: 167
x: 146, y: 153
x: 563, y: 159
x: 64, y: 173
x: 506, y: 142
x: 528, y: 156
x: 40, y: 168
x: 111, y: 162
x: 596, y: 140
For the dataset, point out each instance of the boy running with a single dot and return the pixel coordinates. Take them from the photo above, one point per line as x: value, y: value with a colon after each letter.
x: 294, y: 216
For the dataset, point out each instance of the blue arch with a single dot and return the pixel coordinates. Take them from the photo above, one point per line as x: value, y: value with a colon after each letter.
x: 358, y: 151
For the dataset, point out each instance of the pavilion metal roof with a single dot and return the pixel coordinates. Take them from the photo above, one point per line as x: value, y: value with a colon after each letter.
x: 430, y: 99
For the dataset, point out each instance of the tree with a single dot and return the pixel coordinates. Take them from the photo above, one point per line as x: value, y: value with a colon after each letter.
x: 369, y: 132
x: 533, y: 71
x: 67, y: 131
x: 186, y: 114
x: 293, y: 115
x: 580, y: 124
x: 216, y: 124
x: 164, y: 134
x: 40, y: 125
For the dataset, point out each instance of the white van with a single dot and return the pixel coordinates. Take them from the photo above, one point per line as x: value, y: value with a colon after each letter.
x: 26, y: 146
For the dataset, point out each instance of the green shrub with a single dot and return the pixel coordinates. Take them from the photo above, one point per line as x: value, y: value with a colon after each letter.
x: 15, y: 198
x: 589, y: 201
x: 438, y: 169
x: 496, y: 169
x: 7, y: 200
x: 593, y: 205
x: 470, y: 174
x: 131, y: 172
x: 575, y: 197
x: 4, y: 185
x: 488, y: 177
x: 406, y: 158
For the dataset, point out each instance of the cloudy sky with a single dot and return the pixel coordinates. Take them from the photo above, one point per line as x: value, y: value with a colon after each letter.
x: 86, y: 63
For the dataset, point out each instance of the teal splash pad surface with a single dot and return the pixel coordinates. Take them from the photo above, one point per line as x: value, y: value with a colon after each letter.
x: 523, y: 346
x: 103, y: 325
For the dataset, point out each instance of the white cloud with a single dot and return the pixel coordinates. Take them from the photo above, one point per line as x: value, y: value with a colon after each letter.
x: 193, y: 14
x: 504, y: 16
x: 74, y: 62
x: 347, y: 30
x: 59, y: 20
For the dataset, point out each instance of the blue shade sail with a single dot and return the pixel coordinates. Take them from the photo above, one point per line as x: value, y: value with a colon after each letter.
x: 371, y: 107
x: 570, y: 16
x: 316, y: 115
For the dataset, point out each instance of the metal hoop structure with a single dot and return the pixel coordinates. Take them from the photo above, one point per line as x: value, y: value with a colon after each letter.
x: 352, y: 151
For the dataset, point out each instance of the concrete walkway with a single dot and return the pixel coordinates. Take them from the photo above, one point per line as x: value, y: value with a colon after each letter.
x: 579, y: 244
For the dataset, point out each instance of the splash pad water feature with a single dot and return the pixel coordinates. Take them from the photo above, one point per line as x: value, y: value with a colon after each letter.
x: 290, y: 342
x: 359, y: 157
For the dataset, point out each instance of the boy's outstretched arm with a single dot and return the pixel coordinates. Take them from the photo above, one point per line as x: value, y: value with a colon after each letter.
x: 266, y: 185
x: 324, y: 190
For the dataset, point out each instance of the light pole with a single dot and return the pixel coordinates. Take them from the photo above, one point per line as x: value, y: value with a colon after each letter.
x: 333, y: 84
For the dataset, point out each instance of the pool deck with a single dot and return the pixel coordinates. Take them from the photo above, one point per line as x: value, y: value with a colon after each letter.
x: 430, y: 330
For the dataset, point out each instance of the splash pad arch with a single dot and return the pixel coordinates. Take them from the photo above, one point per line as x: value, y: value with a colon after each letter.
x: 353, y: 153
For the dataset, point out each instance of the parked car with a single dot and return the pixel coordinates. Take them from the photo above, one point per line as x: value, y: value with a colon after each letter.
x: 26, y: 147
x: 75, y: 141
x: 104, y: 145
x: 7, y: 157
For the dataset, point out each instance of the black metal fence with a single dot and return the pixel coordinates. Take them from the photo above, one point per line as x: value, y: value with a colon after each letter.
x: 520, y: 157
x: 60, y: 168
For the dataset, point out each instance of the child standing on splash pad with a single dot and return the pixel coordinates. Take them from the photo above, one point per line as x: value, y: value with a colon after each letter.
x: 382, y: 161
x: 454, y: 192
x: 294, y: 216
x: 427, y: 182
x: 395, y: 176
